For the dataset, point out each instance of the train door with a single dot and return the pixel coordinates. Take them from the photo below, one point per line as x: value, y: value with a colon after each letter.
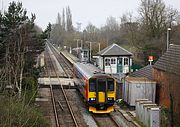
x: 120, y: 65
x: 101, y: 91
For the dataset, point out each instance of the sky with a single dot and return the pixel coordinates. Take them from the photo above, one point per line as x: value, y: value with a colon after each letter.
x: 83, y: 11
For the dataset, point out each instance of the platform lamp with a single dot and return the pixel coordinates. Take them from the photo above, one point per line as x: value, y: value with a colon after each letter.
x: 168, y: 37
x: 99, y: 47
x: 150, y: 59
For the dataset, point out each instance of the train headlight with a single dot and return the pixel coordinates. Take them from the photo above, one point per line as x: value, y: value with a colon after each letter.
x: 110, y: 98
x: 92, y: 99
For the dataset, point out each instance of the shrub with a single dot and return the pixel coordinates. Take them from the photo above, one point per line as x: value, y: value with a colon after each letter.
x: 15, y: 113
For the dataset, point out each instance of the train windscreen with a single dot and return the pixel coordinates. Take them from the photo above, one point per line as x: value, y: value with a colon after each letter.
x: 101, y: 85
x: 110, y: 84
x: 92, y: 85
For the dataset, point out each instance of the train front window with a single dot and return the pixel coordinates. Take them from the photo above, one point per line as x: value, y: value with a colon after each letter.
x: 110, y: 84
x: 92, y: 85
x: 101, y: 85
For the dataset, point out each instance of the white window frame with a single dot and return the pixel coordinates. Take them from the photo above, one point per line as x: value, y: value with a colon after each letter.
x: 126, y: 62
x: 113, y: 61
x: 107, y: 62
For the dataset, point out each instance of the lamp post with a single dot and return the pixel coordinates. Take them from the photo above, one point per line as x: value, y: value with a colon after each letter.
x: 168, y: 37
x: 77, y: 49
x: 90, y: 47
x: 81, y: 44
x: 99, y: 47
x: 77, y: 43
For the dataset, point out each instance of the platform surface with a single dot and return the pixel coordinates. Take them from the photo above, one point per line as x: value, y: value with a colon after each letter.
x: 56, y: 81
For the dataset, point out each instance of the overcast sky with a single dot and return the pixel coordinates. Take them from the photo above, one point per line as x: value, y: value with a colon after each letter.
x: 83, y: 11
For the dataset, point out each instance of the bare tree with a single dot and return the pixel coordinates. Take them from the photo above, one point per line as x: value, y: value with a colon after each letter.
x: 155, y: 17
x: 91, y: 32
x: 111, y: 31
x: 130, y: 31
x: 63, y: 20
x: 69, y: 20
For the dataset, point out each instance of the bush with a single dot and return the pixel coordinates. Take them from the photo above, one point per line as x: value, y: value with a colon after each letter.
x: 15, y: 113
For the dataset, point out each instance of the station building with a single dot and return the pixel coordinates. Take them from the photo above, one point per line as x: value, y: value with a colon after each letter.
x: 114, y: 59
x: 82, y: 54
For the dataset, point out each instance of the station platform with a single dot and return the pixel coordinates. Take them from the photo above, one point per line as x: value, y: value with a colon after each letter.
x: 66, y: 82
x: 56, y: 81
x: 72, y: 59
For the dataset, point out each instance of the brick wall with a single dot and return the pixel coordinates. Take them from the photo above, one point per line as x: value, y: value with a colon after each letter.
x: 167, y: 83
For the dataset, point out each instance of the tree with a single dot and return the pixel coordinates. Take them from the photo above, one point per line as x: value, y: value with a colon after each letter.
x: 130, y: 31
x: 14, y: 22
x: 19, y: 40
x: 57, y: 31
x: 69, y: 20
x: 111, y: 31
x: 63, y: 31
x: 154, y: 20
x: 63, y: 20
x: 91, y: 32
x: 155, y: 17
x: 47, y: 31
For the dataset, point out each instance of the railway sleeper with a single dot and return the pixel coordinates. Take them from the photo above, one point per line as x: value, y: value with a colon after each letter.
x: 60, y: 105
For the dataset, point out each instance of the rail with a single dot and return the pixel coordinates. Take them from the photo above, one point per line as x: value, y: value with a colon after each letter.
x: 103, y: 119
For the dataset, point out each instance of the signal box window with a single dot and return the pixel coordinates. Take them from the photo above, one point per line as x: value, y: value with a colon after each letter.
x: 110, y: 84
x: 101, y: 85
x: 92, y: 85
x: 126, y: 62
x: 107, y: 62
x: 113, y: 61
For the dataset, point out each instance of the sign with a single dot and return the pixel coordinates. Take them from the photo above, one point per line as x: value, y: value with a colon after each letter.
x: 150, y: 58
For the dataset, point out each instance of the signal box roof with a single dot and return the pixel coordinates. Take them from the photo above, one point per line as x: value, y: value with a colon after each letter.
x: 114, y: 50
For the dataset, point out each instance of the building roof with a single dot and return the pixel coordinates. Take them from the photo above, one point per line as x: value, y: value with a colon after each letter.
x: 140, y: 80
x: 114, y: 50
x: 170, y: 60
x: 146, y: 72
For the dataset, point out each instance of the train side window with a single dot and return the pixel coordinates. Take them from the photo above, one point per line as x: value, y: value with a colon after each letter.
x: 92, y: 85
x: 110, y: 84
x: 101, y: 85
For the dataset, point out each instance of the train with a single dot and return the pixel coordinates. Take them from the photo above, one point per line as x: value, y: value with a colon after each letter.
x: 98, y: 89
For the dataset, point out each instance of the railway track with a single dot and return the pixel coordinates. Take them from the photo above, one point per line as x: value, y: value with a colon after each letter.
x: 105, y: 120
x: 48, y: 69
x: 67, y: 68
x: 64, y: 116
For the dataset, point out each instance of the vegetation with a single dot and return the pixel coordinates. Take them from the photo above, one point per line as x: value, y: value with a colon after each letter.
x: 16, y: 113
x: 20, y: 43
